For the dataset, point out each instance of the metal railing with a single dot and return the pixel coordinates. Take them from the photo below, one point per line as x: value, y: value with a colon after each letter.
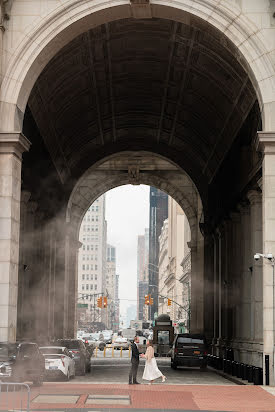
x: 14, y: 396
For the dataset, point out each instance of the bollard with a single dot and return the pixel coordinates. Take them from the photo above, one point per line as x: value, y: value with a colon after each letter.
x: 104, y: 351
x: 250, y: 373
x: 121, y: 352
x: 113, y: 352
x: 234, y: 368
x: 245, y: 371
x: 96, y: 351
x: 229, y: 367
x: 239, y: 373
x: 242, y: 370
x: 224, y: 366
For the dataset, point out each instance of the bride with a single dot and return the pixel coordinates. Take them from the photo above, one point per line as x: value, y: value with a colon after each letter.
x: 151, y: 370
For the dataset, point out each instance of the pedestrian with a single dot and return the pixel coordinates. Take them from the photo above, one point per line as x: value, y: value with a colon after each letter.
x: 134, y: 362
x: 151, y: 370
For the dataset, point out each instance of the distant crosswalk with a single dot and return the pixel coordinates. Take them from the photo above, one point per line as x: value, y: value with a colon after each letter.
x: 111, y: 352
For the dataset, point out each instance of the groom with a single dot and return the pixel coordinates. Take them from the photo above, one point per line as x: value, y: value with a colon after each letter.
x: 134, y: 362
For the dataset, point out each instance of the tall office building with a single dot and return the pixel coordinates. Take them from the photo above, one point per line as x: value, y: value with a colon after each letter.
x: 142, y: 273
x: 92, y: 263
x: 111, y: 289
x: 158, y: 214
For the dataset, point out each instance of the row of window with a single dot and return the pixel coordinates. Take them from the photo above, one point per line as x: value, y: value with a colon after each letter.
x: 90, y: 239
x: 89, y: 257
x: 89, y: 267
x: 90, y: 247
x: 90, y: 218
x: 87, y: 228
x: 87, y: 287
x: 88, y: 276
x: 93, y: 208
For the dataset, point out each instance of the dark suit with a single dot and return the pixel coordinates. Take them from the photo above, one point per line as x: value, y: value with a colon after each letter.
x: 134, y: 364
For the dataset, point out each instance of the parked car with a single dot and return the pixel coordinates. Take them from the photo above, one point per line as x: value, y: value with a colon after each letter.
x: 20, y: 362
x: 80, y: 354
x: 120, y: 342
x: 95, y: 339
x: 189, y: 350
x: 59, y: 362
x: 107, y: 336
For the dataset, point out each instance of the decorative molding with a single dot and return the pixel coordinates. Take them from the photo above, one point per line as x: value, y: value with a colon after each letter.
x: 14, y: 142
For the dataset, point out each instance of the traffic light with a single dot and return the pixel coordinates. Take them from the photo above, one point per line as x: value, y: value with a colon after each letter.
x: 105, y: 303
x: 169, y: 302
x: 147, y: 300
x: 151, y: 301
x: 99, y: 302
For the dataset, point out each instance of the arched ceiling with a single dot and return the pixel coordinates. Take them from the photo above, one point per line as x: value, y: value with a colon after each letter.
x: 133, y: 84
x: 132, y: 168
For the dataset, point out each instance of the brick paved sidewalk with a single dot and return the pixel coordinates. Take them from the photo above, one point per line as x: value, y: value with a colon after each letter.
x: 159, y: 397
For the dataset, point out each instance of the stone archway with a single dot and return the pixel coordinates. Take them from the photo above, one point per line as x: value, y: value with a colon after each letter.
x: 137, y: 168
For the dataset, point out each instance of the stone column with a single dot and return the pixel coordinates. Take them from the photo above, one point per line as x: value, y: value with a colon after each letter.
x: 256, y: 323
x: 214, y: 293
x: 266, y: 143
x: 12, y: 145
x: 197, y: 286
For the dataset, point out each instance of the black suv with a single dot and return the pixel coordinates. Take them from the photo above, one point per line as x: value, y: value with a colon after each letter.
x: 21, y: 361
x: 189, y: 350
x: 81, y: 355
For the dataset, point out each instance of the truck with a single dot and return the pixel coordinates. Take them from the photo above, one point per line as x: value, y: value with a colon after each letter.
x: 136, y: 324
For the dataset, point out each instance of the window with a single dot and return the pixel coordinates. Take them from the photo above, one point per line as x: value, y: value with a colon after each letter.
x: 95, y: 287
x: 83, y: 276
x: 92, y: 277
x: 87, y: 276
x: 91, y: 287
x: 92, y: 267
x: 83, y: 247
x: 95, y: 267
x: 83, y: 287
x: 83, y: 267
x: 87, y: 287
x: 97, y: 208
x: 88, y: 247
x: 84, y: 257
x: 95, y: 277
x: 96, y: 219
x: 96, y: 229
x: 92, y: 247
x: 87, y: 267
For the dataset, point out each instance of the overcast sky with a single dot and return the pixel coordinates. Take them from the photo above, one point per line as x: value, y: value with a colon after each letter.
x: 127, y: 215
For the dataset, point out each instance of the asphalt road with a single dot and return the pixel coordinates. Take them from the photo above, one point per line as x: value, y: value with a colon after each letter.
x: 116, y: 370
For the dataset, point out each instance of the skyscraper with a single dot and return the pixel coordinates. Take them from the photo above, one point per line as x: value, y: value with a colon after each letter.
x: 92, y: 261
x: 111, y: 289
x: 142, y: 272
x: 158, y: 213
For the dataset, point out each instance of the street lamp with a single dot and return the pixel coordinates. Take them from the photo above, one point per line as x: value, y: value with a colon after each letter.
x: 271, y: 259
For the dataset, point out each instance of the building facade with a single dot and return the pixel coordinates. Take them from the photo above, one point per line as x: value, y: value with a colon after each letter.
x: 174, y: 240
x: 92, y: 262
x: 111, y: 286
x: 158, y: 213
x: 142, y: 273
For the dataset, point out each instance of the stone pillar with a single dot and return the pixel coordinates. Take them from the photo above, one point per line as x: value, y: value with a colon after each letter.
x: 12, y: 145
x: 256, y: 323
x: 266, y: 143
x: 197, y: 286
x: 71, y: 272
x: 22, y: 270
x: 214, y: 293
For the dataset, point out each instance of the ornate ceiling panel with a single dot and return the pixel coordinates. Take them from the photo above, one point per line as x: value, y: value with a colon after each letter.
x: 155, y: 80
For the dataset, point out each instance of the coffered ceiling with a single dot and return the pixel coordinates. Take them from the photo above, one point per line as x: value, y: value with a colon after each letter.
x: 135, y: 84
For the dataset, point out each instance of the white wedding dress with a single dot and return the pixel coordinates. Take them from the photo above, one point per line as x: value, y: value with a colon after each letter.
x: 151, y: 370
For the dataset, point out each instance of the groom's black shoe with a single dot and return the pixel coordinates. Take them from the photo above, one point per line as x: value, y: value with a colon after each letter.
x: 130, y: 383
x: 136, y: 383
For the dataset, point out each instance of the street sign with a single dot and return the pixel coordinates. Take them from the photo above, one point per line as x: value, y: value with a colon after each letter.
x: 82, y: 305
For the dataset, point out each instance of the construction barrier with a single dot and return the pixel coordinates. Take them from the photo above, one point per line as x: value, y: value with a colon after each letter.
x: 14, y: 396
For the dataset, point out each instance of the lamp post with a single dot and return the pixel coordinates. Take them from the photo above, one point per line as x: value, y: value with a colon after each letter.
x: 271, y: 259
